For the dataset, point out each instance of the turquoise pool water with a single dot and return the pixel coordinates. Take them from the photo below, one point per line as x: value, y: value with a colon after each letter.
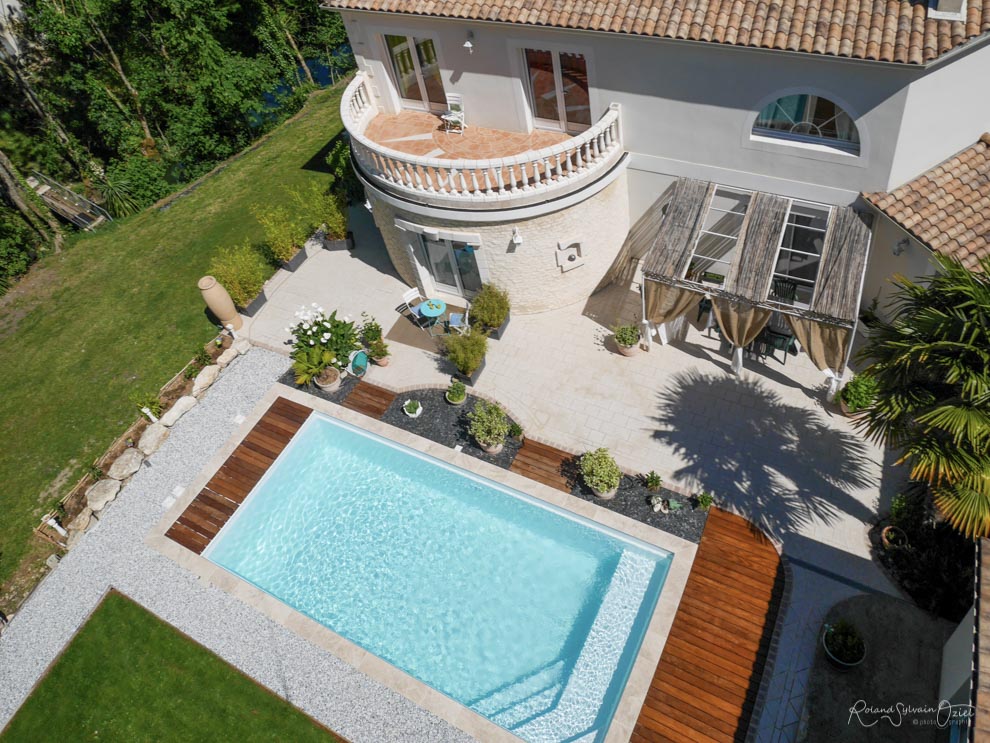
x: 529, y: 615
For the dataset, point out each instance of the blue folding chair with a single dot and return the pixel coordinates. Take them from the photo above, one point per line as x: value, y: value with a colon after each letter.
x: 357, y: 363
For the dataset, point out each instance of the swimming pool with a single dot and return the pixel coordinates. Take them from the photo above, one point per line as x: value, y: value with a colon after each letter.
x: 526, y: 613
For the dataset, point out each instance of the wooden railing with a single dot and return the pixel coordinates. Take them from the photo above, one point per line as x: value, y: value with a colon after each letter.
x: 536, y: 175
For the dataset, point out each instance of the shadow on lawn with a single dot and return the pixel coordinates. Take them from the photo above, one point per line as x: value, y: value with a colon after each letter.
x: 781, y: 466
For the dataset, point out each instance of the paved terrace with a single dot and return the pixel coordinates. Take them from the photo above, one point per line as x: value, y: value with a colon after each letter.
x: 765, y: 442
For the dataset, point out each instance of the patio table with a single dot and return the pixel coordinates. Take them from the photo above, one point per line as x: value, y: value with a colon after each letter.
x: 433, y: 310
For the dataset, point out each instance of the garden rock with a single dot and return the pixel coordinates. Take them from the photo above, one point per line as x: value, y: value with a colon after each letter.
x: 152, y: 438
x: 74, y: 538
x: 204, y: 379
x: 243, y: 345
x: 227, y: 356
x: 182, y: 406
x: 126, y: 464
x: 81, y: 522
x: 103, y: 492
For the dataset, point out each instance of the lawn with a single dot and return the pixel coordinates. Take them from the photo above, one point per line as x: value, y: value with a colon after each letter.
x: 128, y: 676
x: 117, y: 312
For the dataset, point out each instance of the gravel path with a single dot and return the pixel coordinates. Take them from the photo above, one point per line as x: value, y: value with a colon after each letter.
x: 113, y: 554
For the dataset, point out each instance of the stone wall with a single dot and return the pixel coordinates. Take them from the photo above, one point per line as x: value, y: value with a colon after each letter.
x: 530, y: 271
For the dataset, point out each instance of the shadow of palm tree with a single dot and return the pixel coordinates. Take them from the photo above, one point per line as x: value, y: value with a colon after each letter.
x: 779, y: 465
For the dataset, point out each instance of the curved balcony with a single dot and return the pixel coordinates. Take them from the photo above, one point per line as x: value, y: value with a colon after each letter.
x: 538, y: 174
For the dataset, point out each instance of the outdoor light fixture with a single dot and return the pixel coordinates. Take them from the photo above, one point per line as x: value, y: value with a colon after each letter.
x: 367, y: 204
x: 469, y: 45
x: 516, y: 237
x: 901, y: 246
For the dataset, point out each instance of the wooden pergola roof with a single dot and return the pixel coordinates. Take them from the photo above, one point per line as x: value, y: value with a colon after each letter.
x: 669, y: 250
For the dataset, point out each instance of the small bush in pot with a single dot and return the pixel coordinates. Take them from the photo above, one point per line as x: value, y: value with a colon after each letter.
x: 859, y: 394
x: 457, y: 393
x: 626, y: 336
x: 601, y: 473
x: 843, y: 644
x: 284, y: 236
x: 412, y: 408
x: 489, y: 426
x: 466, y: 352
x: 371, y: 330
x: 653, y: 481
x: 378, y: 351
x: 242, y: 270
x: 308, y: 364
x: 490, y: 307
x: 516, y: 432
x: 704, y: 500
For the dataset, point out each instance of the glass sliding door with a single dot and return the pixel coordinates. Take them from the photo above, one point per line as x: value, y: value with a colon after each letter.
x: 417, y: 75
x: 558, y: 89
x: 452, y: 266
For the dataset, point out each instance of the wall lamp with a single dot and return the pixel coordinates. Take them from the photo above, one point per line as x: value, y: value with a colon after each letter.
x: 516, y: 237
x: 469, y: 44
x: 901, y: 246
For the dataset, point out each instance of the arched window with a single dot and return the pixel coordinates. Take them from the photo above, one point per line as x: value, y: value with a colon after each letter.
x: 808, y: 118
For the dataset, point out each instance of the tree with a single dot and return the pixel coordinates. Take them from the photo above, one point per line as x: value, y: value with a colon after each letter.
x: 932, y: 366
x: 14, y: 192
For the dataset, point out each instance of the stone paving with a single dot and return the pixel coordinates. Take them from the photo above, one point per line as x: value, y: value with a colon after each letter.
x: 765, y: 442
x: 113, y: 554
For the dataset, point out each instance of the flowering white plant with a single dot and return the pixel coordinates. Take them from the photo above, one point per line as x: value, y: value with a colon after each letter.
x: 316, y: 329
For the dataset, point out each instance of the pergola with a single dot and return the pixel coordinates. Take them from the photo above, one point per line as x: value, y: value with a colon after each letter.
x: 753, y: 254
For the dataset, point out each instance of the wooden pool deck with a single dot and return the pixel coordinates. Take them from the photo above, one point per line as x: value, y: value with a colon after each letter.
x: 706, y: 682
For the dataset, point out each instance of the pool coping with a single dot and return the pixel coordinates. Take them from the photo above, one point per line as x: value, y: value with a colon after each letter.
x: 456, y: 714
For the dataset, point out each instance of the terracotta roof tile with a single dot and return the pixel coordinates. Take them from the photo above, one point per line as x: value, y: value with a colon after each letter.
x: 948, y: 207
x: 888, y: 30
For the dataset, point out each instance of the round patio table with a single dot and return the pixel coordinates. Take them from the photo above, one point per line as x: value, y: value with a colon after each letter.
x: 432, y: 310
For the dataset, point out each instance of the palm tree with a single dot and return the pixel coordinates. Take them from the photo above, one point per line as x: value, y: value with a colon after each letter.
x: 932, y: 367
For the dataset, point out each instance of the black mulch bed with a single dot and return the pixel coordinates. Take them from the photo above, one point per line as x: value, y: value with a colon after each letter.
x: 337, y: 396
x: 633, y: 500
x: 448, y: 425
x: 445, y: 424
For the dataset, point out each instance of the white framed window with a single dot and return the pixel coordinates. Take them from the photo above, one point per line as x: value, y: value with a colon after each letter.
x: 416, y: 71
x: 795, y: 272
x: 557, y: 84
x: 810, y: 119
x: 718, y: 239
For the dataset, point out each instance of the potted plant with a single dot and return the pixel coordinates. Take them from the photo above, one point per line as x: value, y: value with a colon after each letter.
x: 704, y: 500
x: 378, y: 351
x: 843, y: 644
x: 371, y: 330
x: 489, y: 426
x: 868, y: 316
x: 516, y: 432
x: 284, y: 237
x: 315, y: 364
x: 242, y: 270
x: 601, y: 473
x: 490, y: 310
x: 467, y: 353
x: 653, y: 481
x: 412, y: 408
x: 859, y: 394
x: 627, y: 339
x: 456, y: 394
x: 893, y: 536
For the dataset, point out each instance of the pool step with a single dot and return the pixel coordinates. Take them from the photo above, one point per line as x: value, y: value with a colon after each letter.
x: 509, y: 697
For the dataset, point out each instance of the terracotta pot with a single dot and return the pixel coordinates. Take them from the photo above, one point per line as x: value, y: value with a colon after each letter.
x: 383, y: 361
x: 893, y: 536
x: 628, y: 350
x: 327, y: 382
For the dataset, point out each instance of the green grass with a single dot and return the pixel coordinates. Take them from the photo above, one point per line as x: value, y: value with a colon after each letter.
x: 119, y: 311
x: 128, y: 676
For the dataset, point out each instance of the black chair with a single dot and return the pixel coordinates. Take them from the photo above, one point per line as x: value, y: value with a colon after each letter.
x: 772, y: 341
x: 784, y: 290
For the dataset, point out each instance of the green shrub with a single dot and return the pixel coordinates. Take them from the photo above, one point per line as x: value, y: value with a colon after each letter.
x: 844, y: 641
x: 705, y: 500
x: 626, y: 335
x: 466, y: 352
x: 653, y: 481
x: 18, y: 247
x: 457, y: 391
x: 343, y: 179
x: 316, y: 329
x: 147, y: 400
x: 309, y: 363
x: 323, y: 207
x: 378, y: 349
x: 143, y: 179
x: 515, y: 430
x: 490, y: 307
x: 371, y: 330
x: 117, y: 197
x: 599, y: 470
x: 489, y: 425
x: 242, y: 270
x: 284, y: 236
x: 909, y: 509
x: 860, y: 392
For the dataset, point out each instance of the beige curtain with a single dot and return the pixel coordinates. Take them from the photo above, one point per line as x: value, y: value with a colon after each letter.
x: 826, y: 345
x: 740, y: 322
x: 664, y: 303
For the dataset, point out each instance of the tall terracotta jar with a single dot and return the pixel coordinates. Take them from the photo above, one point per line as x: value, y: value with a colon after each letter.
x: 219, y: 302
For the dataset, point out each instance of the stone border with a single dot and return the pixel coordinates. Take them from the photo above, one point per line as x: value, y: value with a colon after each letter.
x: 640, y: 677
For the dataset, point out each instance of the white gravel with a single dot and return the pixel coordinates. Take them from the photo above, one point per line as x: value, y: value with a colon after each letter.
x: 113, y: 555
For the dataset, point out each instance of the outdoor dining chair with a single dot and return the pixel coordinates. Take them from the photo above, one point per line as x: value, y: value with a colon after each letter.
x: 413, y: 300
x: 453, y: 118
x: 459, y: 322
